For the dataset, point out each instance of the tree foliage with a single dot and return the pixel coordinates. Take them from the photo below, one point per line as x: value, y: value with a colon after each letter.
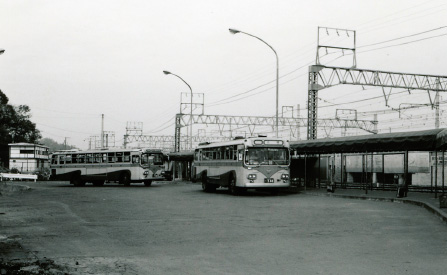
x: 54, y: 145
x: 15, y: 123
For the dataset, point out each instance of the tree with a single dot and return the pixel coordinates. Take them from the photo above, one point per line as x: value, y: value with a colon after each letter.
x: 15, y: 123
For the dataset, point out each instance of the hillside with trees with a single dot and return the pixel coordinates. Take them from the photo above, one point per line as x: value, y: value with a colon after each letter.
x: 54, y: 145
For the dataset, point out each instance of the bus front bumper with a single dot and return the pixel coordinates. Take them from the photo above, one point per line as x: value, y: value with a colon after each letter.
x: 277, y: 184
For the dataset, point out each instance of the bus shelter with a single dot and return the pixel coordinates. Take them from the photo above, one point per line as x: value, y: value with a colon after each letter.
x: 179, y: 163
x: 308, y: 152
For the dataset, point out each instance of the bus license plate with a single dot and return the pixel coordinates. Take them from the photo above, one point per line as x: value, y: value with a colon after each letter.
x: 269, y: 180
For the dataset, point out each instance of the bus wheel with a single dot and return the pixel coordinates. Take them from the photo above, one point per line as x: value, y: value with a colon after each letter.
x: 148, y: 183
x: 77, y: 182
x: 98, y: 183
x: 234, y: 190
x: 125, y: 179
x: 206, y: 186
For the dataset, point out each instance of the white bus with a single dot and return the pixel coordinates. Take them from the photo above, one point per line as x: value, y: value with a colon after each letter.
x: 243, y: 163
x: 99, y: 166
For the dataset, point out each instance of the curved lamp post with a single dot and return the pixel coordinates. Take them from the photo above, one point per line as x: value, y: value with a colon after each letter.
x: 190, y: 124
x: 234, y: 31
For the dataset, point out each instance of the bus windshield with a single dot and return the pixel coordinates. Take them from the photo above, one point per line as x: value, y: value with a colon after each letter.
x: 267, y: 156
x: 148, y: 159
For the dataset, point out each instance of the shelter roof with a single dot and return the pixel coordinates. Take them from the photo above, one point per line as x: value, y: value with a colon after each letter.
x: 428, y: 140
x: 181, y: 156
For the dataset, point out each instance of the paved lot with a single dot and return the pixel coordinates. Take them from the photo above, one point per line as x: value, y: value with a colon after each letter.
x: 175, y: 228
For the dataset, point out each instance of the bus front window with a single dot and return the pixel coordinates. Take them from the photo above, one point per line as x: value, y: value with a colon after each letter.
x: 151, y: 159
x: 144, y: 160
x: 267, y: 156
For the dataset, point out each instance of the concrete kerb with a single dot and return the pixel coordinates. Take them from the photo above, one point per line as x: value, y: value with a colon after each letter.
x: 9, y: 188
x: 431, y: 208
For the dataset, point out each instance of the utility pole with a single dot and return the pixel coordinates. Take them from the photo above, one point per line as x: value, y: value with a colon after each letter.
x: 65, y: 143
x: 437, y: 106
x: 102, y: 131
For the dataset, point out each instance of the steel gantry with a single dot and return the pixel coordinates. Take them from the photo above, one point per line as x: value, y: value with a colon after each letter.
x: 134, y: 130
x: 321, y: 77
x: 183, y: 120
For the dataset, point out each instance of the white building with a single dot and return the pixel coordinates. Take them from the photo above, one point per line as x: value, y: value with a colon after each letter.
x: 27, y: 157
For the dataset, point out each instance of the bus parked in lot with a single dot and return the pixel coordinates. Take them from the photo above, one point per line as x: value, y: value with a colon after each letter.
x: 99, y: 166
x: 243, y: 163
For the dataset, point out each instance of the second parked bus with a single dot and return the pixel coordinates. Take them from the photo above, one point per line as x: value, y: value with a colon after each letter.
x: 99, y: 166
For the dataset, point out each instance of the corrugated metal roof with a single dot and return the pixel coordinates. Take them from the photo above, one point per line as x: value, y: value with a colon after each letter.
x: 428, y: 140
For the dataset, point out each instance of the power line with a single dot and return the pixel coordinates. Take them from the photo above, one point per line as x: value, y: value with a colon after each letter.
x: 411, y: 35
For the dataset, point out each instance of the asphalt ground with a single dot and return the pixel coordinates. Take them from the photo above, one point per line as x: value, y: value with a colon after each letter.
x: 175, y: 228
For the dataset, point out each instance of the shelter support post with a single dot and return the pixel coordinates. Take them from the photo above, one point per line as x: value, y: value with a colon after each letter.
x: 319, y: 170
x: 342, y: 169
x: 305, y: 171
x: 364, y: 169
x: 406, y: 173
x: 436, y: 173
x: 443, y: 168
x: 383, y: 172
x: 373, y: 175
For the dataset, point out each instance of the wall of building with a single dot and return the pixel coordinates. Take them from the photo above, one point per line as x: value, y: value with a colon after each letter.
x: 28, y: 158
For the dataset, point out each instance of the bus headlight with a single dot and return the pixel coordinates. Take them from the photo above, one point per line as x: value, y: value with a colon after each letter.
x: 285, y: 176
x: 145, y: 173
x: 251, y: 176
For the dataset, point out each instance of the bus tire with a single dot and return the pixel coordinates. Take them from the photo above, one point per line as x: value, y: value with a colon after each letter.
x: 77, y: 181
x: 98, y: 183
x: 148, y: 183
x: 206, y: 186
x: 232, y: 188
x: 125, y: 179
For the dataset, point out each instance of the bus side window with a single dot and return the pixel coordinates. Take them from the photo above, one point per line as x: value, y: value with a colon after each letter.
x: 81, y: 158
x: 119, y: 156
x: 104, y: 157
x: 126, y: 156
x: 240, y: 154
x: 61, y: 159
x: 97, y: 158
x: 196, y: 155
x: 111, y: 157
x: 68, y: 159
x: 89, y: 158
x: 135, y: 159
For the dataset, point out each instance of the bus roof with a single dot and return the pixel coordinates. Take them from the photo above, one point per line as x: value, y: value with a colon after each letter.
x: 251, y: 141
x: 97, y: 151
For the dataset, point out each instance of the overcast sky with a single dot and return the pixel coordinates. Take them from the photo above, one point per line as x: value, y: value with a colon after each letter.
x: 72, y: 61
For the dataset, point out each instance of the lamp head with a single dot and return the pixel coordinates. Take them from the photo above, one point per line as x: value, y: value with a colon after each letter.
x: 234, y: 31
x: 2, y: 51
x: 166, y: 72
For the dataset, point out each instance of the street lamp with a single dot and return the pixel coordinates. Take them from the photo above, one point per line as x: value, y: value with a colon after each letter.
x: 234, y: 31
x: 190, y: 123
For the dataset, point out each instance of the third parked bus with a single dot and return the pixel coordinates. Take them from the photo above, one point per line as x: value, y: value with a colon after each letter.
x: 243, y: 163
